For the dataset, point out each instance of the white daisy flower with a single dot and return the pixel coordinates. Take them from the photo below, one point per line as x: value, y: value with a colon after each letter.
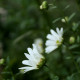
x: 54, y: 40
x: 39, y: 44
x: 35, y: 60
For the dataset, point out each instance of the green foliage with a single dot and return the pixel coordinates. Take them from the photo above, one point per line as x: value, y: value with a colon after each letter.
x: 23, y: 22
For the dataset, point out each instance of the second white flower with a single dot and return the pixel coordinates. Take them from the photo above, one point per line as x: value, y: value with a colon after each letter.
x: 54, y: 40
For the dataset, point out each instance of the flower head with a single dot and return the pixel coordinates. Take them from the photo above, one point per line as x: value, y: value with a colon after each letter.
x: 39, y: 44
x: 54, y: 40
x: 44, y: 5
x: 35, y: 60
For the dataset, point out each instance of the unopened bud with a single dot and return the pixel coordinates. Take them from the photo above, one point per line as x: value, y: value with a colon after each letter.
x: 1, y: 61
x: 44, y: 5
x: 72, y: 40
x: 21, y: 71
x: 66, y: 19
x: 63, y: 20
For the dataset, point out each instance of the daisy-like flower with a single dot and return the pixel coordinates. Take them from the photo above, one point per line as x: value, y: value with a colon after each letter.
x: 54, y: 40
x: 39, y: 44
x: 35, y: 60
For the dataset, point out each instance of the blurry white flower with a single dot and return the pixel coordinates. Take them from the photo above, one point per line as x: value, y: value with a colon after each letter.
x: 54, y: 40
x: 2, y: 11
x: 39, y: 44
x: 35, y: 60
x: 3, y: 14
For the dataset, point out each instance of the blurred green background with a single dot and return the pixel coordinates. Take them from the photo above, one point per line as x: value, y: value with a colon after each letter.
x: 22, y: 21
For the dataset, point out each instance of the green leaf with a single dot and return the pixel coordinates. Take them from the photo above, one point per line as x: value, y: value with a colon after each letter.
x: 71, y: 16
x: 75, y: 26
x: 67, y: 7
x: 53, y: 77
x: 74, y: 46
x: 78, y: 39
x: 75, y: 76
x: 56, y: 20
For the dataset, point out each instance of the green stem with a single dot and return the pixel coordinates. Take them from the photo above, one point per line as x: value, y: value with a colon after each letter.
x: 45, y: 15
x: 48, y: 69
x: 12, y: 76
x: 76, y: 65
x: 51, y: 74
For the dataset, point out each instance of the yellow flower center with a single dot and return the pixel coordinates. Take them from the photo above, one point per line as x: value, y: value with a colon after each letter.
x: 40, y: 44
x: 58, y: 42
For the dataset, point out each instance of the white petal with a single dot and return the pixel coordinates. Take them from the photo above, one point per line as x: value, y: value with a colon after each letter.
x: 31, y: 53
x: 39, y: 44
x: 29, y: 69
x: 23, y: 68
x: 54, y: 34
x: 50, y: 43
x: 50, y: 49
x: 51, y: 37
x: 27, y: 55
x: 61, y: 31
x: 26, y: 69
x: 35, y: 49
x: 36, y: 53
x: 57, y: 29
x: 30, y: 58
x: 26, y: 62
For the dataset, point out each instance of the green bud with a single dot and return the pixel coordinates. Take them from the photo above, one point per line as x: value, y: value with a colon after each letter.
x: 72, y: 40
x: 1, y: 61
x: 21, y: 71
x: 74, y: 24
x: 63, y: 20
x: 41, y: 63
x: 66, y: 19
x: 44, y: 5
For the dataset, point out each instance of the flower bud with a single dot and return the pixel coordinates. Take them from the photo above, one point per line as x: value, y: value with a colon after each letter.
x: 63, y: 20
x: 66, y: 19
x: 1, y: 61
x: 21, y: 71
x: 72, y: 40
x: 44, y: 5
